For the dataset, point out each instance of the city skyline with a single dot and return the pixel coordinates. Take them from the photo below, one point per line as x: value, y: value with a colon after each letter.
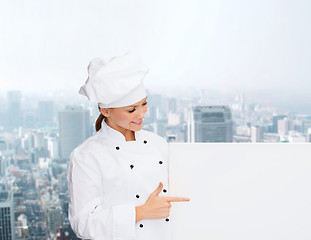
x: 284, y: 99
x: 34, y: 150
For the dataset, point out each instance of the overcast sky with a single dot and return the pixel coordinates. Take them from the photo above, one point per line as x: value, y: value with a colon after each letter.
x: 232, y: 44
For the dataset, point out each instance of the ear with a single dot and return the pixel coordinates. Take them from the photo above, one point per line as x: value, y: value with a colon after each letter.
x: 105, y: 111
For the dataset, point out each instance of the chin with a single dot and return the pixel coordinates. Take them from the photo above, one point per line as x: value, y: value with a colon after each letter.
x: 137, y: 127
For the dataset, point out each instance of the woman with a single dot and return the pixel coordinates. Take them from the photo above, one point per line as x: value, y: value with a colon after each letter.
x: 118, y: 178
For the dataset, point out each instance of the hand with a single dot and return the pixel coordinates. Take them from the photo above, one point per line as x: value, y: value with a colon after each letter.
x: 157, y: 206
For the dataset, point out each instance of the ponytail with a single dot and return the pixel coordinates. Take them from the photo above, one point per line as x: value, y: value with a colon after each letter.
x: 99, y: 121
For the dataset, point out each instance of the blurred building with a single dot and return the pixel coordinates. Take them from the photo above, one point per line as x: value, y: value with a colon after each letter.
x: 54, y: 218
x: 211, y: 124
x: 153, y: 114
x: 21, y: 227
x: 275, y: 122
x: 7, y: 221
x: 173, y: 119
x: 4, y: 163
x: 74, y: 128
x: 284, y: 125
x: 14, y: 115
x: 257, y: 134
x: 188, y: 113
x: 39, y: 140
x: 53, y: 147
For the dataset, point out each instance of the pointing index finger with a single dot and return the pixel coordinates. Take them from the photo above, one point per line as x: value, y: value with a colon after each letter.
x: 177, y: 199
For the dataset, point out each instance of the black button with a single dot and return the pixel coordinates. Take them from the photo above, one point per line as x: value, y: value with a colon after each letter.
x: 141, y: 225
x: 145, y: 141
x: 137, y: 196
x: 160, y: 162
x: 167, y: 219
x: 164, y: 190
x: 131, y: 166
x: 117, y: 147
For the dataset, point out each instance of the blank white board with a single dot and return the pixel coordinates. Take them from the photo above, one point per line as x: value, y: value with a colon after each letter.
x: 240, y: 191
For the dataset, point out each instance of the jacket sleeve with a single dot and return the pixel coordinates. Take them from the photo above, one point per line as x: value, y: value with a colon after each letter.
x: 88, y: 218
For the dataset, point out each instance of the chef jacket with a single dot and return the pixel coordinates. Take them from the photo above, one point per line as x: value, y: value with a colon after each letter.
x: 108, y: 176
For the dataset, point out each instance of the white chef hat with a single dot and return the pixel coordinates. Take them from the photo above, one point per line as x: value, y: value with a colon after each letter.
x: 116, y: 83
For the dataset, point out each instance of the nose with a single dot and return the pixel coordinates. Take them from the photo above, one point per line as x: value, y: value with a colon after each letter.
x: 141, y: 114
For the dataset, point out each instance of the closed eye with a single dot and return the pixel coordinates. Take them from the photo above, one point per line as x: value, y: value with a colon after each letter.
x: 145, y: 103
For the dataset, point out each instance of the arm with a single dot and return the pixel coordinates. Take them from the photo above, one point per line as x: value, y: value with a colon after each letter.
x: 139, y: 213
x: 87, y: 216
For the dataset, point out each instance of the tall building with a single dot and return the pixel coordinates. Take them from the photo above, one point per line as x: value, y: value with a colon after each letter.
x: 54, y: 218
x: 283, y: 126
x: 39, y: 139
x: 275, y: 122
x: 153, y: 114
x: 53, y: 147
x: 14, y: 109
x: 157, y: 107
x: 188, y: 111
x: 4, y: 163
x: 212, y: 124
x: 7, y: 222
x: 74, y: 128
x: 257, y: 134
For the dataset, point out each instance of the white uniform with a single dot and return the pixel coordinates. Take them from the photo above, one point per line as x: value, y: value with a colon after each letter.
x: 108, y: 177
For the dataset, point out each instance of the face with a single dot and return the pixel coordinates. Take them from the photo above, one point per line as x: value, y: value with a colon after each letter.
x: 126, y: 118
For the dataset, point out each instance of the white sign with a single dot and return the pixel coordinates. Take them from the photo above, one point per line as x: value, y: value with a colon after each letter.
x: 240, y: 191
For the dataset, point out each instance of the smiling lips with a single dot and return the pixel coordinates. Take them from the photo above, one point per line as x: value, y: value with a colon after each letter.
x: 137, y: 123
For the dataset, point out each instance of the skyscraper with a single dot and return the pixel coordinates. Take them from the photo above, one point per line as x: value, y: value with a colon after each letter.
x: 74, y: 128
x: 188, y: 111
x: 14, y: 109
x: 54, y: 218
x: 212, y: 124
x: 7, y: 223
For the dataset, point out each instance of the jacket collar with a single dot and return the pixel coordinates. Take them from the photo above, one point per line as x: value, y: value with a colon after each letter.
x: 114, y: 135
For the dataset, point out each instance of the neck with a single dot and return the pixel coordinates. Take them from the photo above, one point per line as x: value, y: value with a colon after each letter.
x: 128, y: 134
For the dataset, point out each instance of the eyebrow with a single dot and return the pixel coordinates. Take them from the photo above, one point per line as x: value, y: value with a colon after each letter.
x: 137, y: 105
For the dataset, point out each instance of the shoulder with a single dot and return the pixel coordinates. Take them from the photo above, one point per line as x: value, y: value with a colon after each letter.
x: 87, y: 149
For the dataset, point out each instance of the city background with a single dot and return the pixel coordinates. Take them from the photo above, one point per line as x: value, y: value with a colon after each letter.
x: 38, y: 133
x: 220, y: 71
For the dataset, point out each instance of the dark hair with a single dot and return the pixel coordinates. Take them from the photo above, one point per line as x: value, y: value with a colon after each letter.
x: 99, y: 121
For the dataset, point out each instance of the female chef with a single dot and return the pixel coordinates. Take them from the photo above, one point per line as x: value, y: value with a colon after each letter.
x: 118, y: 178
